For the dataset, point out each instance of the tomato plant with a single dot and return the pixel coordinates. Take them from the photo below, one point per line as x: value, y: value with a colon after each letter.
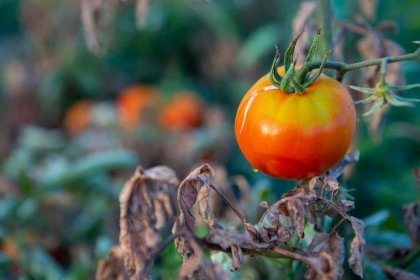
x: 184, y: 111
x: 295, y: 136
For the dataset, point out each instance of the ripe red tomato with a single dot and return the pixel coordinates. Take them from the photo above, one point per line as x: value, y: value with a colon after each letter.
x: 133, y: 101
x: 183, y: 111
x: 79, y: 116
x: 295, y: 136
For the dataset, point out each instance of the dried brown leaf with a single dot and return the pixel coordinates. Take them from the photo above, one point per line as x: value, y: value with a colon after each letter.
x: 188, y: 193
x: 338, y: 51
x: 270, y: 228
x: 357, y: 246
x: 142, y: 7
x: 321, y: 268
x: 302, y: 21
x: 91, y: 10
x: 113, y: 268
x: 368, y: 8
x: 237, y: 257
x: 399, y: 274
x: 253, y: 232
x: 192, y: 256
x: 205, y: 210
x: 395, y: 74
x: 333, y: 246
x: 412, y: 222
x: 226, y: 238
x: 347, y: 160
x: 342, y: 204
x: 297, y: 210
x: 147, y: 201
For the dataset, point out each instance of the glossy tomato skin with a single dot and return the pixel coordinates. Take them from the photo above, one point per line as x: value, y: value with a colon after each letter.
x: 295, y: 136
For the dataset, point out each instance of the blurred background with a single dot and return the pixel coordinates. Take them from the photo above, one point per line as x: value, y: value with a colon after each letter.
x: 91, y: 89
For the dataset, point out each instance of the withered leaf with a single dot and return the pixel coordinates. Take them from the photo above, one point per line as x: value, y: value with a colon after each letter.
x: 321, y: 268
x: 412, y: 222
x: 253, y: 232
x: 142, y: 7
x: 226, y: 238
x: 147, y: 201
x: 192, y: 256
x: 332, y: 245
x: 264, y: 204
x: 347, y: 160
x: 205, y: 210
x: 237, y: 257
x: 368, y: 8
x: 357, y: 246
x: 343, y: 204
x: 399, y: 274
x: 297, y: 209
x: 113, y: 268
x: 270, y: 228
x: 302, y: 21
x: 188, y: 193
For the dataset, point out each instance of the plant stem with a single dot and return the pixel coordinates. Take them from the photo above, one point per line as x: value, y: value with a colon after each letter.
x: 342, y: 68
x: 324, y: 19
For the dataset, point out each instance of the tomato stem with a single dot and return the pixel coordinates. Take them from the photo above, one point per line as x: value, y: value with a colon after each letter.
x: 324, y: 19
x: 342, y: 68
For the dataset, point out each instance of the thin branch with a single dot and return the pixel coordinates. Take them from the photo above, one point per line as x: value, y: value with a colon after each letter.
x: 342, y: 68
x: 229, y: 203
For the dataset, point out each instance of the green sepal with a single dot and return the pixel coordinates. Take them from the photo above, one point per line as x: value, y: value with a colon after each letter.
x: 275, y: 77
x: 298, y: 87
x: 404, y: 87
x: 290, y: 52
x: 313, y: 50
x: 364, y: 90
x: 285, y: 83
x: 397, y: 100
x: 318, y: 73
x: 378, y: 104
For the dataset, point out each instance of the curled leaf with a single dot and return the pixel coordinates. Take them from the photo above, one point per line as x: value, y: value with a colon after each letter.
x: 237, y: 256
x: 399, y: 274
x: 187, y: 248
x: 331, y: 245
x: 147, y: 201
x: 205, y: 210
x: 113, y: 268
x: 357, y: 246
x: 412, y: 221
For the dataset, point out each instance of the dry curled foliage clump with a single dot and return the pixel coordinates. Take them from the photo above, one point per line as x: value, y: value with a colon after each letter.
x: 149, y: 201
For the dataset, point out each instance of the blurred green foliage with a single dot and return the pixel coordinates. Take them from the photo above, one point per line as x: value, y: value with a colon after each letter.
x: 59, y: 192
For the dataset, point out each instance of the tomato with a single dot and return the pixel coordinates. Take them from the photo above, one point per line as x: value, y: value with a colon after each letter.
x: 132, y: 103
x: 295, y: 136
x: 78, y: 117
x: 184, y: 111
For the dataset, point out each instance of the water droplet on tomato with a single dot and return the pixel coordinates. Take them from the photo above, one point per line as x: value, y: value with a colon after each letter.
x: 254, y: 169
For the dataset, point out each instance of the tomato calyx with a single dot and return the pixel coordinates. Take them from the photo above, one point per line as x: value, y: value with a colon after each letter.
x: 382, y: 93
x: 292, y: 82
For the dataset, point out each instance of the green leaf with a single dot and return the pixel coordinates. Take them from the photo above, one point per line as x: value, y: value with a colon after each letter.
x: 290, y: 52
x: 99, y: 162
x: 313, y: 50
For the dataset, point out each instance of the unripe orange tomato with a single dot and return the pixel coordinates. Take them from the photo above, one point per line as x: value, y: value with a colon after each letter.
x: 184, y: 111
x: 295, y: 136
x: 79, y: 116
x: 132, y: 103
